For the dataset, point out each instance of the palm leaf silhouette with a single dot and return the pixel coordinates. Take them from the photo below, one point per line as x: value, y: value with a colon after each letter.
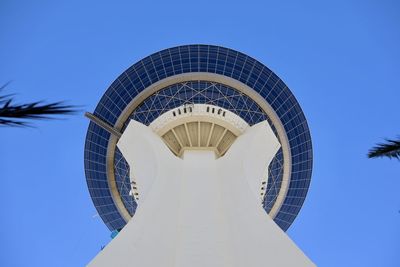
x: 390, y: 149
x: 19, y: 114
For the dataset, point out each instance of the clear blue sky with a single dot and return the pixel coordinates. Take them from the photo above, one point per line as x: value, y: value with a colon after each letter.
x: 340, y: 59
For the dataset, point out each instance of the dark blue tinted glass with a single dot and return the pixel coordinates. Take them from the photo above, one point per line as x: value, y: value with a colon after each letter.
x: 194, y: 58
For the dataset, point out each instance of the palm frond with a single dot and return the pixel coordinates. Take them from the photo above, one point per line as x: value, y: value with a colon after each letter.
x: 390, y: 149
x: 19, y: 114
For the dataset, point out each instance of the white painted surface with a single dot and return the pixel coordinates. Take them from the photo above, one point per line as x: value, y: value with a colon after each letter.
x: 254, y: 151
x: 199, y: 126
x: 146, y: 155
x: 199, y: 112
x: 198, y: 211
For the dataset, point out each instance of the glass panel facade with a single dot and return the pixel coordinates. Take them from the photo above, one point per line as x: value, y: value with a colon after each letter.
x: 198, y: 58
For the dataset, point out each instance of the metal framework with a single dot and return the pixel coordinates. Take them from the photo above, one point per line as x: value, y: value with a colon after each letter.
x: 198, y: 74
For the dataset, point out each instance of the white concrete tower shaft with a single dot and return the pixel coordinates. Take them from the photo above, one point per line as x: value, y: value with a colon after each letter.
x: 202, y: 208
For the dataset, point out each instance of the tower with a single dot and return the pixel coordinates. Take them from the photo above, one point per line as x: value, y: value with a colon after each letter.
x: 198, y: 155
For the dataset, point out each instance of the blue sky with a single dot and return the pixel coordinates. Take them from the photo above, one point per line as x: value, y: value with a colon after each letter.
x: 340, y: 59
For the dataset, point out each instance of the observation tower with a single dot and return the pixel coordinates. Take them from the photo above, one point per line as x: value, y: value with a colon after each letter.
x: 198, y: 155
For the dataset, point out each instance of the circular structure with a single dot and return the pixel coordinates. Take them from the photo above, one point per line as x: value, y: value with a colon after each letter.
x: 192, y: 75
x: 199, y: 127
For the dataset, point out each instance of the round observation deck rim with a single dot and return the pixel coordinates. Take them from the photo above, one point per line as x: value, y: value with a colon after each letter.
x: 193, y: 59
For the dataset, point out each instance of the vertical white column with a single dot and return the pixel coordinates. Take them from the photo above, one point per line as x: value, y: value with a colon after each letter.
x: 199, y: 211
x: 203, y: 236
